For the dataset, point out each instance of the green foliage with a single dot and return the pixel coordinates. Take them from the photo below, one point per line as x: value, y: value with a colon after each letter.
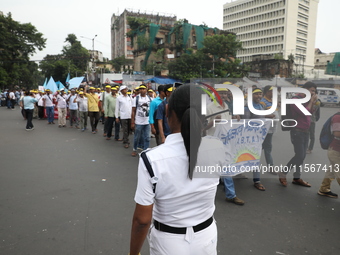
x: 142, y: 42
x: 215, y: 60
x: 221, y: 46
x: 18, y: 42
x: 73, y: 60
x: 117, y: 63
x: 278, y: 56
x: 136, y: 23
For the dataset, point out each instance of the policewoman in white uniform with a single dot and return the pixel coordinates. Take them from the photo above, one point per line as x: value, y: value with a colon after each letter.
x: 180, y: 209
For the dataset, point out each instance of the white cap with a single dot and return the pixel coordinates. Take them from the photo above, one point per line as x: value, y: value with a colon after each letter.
x: 123, y: 87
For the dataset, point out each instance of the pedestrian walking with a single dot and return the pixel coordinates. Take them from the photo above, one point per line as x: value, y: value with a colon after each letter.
x: 83, y: 110
x: 123, y: 111
x: 28, y: 104
x: 73, y: 109
x: 93, y: 109
x: 48, y: 102
x: 62, y: 108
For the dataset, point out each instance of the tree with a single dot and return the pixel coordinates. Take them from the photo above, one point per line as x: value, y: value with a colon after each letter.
x: 215, y: 60
x: 117, y: 63
x: 221, y: 46
x: 73, y: 59
x: 76, y: 53
x: 18, y: 42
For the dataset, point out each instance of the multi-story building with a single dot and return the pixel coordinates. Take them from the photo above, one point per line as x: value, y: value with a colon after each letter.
x: 274, y: 27
x: 120, y: 43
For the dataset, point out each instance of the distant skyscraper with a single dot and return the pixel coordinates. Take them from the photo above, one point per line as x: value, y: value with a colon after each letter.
x: 120, y: 44
x: 274, y: 27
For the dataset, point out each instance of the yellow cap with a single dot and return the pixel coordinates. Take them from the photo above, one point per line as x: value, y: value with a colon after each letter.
x: 257, y: 90
x: 221, y: 89
x: 171, y: 89
x: 92, y: 88
x: 81, y: 93
x: 142, y: 87
x: 107, y: 86
x: 114, y: 88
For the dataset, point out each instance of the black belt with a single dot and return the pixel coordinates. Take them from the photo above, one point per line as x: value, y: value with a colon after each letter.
x: 165, y: 228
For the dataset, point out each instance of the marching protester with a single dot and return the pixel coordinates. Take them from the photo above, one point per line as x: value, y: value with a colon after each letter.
x: 123, y: 110
x: 62, y: 108
x: 162, y: 121
x: 153, y: 111
x: 299, y: 137
x: 40, y: 104
x: 256, y: 96
x: 83, y: 110
x: 229, y: 187
x: 48, y: 102
x: 110, y: 116
x: 73, y: 109
x: 28, y: 104
x: 102, y: 105
x: 93, y: 109
x: 267, y: 145
x: 191, y: 225
x: 314, y: 118
x: 333, y: 171
x: 140, y: 120
x: 12, y: 99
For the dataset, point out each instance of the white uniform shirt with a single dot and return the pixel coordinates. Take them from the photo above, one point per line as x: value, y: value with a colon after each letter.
x: 72, y: 106
x: 142, y: 110
x: 48, y: 100
x: 179, y: 201
x: 62, y: 101
x: 123, y: 107
x: 83, y: 106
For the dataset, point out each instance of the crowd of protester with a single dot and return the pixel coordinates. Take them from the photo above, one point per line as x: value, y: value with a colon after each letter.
x: 144, y: 113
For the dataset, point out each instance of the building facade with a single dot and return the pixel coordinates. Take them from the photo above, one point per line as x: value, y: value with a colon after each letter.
x: 120, y: 43
x: 274, y: 27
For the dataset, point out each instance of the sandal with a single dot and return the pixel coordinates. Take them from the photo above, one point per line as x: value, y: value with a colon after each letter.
x: 301, y: 183
x: 283, y: 180
x: 259, y: 186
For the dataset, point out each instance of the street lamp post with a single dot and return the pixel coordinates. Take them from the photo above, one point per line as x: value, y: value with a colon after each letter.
x: 92, y: 66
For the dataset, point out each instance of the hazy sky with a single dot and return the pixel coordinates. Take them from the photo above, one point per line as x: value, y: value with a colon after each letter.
x: 57, y: 19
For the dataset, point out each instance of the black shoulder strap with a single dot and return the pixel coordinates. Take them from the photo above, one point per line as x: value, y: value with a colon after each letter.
x: 149, y: 168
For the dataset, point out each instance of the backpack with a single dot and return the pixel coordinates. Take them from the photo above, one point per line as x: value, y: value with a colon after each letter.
x: 326, y: 135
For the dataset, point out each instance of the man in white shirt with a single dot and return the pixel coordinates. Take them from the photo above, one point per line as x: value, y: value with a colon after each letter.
x: 123, y: 114
x: 12, y: 99
x: 62, y: 111
x: 40, y: 105
x: 48, y: 102
x: 73, y: 107
x: 140, y: 120
x: 83, y: 110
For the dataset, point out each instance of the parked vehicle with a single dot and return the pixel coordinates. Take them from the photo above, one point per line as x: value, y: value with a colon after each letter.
x: 329, y: 96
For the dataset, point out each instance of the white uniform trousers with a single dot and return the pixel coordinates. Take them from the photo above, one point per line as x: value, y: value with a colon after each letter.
x: 203, y: 242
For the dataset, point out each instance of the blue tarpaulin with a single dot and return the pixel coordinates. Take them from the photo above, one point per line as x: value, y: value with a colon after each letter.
x: 161, y: 80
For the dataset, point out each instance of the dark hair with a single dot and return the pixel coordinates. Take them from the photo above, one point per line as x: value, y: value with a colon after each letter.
x: 266, y: 89
x: 160, y: 88
x: 186, y: 103
x: 166, y: 87
x: 309, y: 85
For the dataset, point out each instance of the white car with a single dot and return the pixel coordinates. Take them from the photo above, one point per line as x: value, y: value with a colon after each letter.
x: 328, y: 96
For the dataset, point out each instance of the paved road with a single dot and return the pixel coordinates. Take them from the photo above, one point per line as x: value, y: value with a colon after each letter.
x: 54, y: 200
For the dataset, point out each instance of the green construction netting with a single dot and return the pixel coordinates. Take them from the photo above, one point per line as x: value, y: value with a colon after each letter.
x: 199, y: 36
x: 152, y: 35
x: 186, y: 32
x: 170, y: 33
x: 333, y: 67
